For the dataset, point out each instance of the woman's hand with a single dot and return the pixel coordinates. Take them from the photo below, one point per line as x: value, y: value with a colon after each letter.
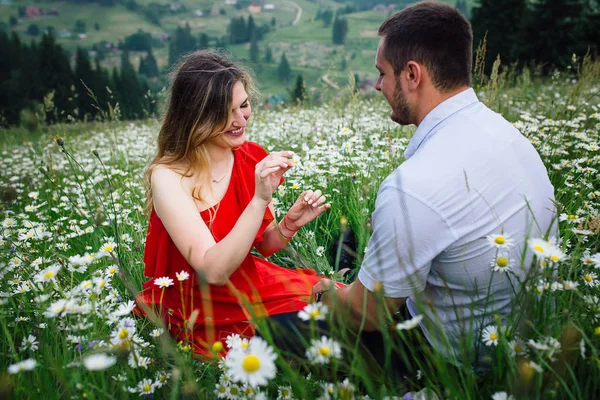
x: 307, y: 207
x: 268, y: 173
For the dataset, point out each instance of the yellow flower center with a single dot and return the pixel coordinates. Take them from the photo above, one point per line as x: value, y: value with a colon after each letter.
x: 554, y: 257
x: 48, y: 274
x: 251, y: 363
x: 222, y: 389
x: 588, y: 261
x: 217, y: 347
x: 502, y: 262
x: 517, y: 348
x: 597, y: 331
x: 571, y: 216
x: 124, y: 333
x: 493, y: 336
x: 285, y: 393
x: 244, y: 345
x: 588, y: 278
x: 538, y: 248
x: 324, y: 351
x: 315, y: 313
x: 112, y: 270
x: 499, y: 240
x: 147, y: 388
x: 162, y: 378
x: 233, y: 391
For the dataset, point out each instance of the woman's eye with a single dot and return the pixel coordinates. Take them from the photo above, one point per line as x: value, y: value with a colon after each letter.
x: 245, y: 105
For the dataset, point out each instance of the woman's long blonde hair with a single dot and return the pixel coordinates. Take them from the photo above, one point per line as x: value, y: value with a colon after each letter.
x: 198, y: 109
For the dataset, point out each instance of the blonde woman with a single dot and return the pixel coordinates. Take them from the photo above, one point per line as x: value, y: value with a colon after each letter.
x: 211, y: 204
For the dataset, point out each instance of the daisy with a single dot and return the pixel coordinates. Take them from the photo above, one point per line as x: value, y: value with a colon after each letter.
x: 490, y: 336
x: 253, y: 366
x: 48, y: 274
x: 182, y: 275
x: 570, y: 285
x: 540, y: 247
x: 144, y: 388
x: 555, y: 254
x: 235, y: 341
x: 313, y: 312
x: 285, y: 393
x: 320, y: 251
x: 29, y: 342
x: 590, y: 279
x: 409, y: 324
x: 502, y: 396
x: 500, y: 241
x: 502, y: 263
x: 517, y: 346
x: 163, y: 282
x: 570, y: 218
x: 99, y: 362
x: 323, y: 350
x: 26, y: 365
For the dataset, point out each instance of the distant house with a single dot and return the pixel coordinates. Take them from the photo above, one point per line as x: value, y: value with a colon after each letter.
x: 269, y: 7
x: 231, y: 2
x: 199, y: 13
x: 63, y: 34
x: 254, y: 8
x: 82, y: 36
x: 174, y: 7
x: 384, y: 8
x: 163, y: 37
x: 31, y: 11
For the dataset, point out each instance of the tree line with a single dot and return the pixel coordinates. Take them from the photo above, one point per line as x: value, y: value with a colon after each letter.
x: 32, y: 74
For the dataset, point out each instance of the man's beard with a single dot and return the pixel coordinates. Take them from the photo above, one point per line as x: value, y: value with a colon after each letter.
x: 401, y: 113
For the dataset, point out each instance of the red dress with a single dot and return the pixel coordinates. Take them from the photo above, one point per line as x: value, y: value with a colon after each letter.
x: 257, y: 288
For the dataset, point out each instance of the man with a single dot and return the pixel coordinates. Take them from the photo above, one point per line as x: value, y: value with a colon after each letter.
x: 468, y: 174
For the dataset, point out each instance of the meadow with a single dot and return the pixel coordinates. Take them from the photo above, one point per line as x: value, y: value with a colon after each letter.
x: 72, y: 242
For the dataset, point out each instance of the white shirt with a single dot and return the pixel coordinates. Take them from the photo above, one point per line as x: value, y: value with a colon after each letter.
x: 469, y: 173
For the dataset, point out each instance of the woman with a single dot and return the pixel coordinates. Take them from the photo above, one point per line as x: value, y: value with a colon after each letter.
x: 211, y: 197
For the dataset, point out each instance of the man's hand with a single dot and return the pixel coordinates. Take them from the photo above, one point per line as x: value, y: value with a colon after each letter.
x: 322, y: 289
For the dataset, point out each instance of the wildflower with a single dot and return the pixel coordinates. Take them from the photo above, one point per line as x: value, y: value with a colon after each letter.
x: 235, y: 341
x: 161, y: 378
x: 570, y: 285
x: 217, y: 347
x: 590, y: 279
x: 285, y: 393
x: 124, y: 309
x: 582, y: 347
x: 323, y: 350
x: 517, y: 346
x: 99, y: 362
x: 48, y: 274
x: 500, y: 241
x: 253, y: 366
x: 540, y: 247
x: 555, y: 254
x: 490, y: 335
x: 145, y: 388
x: 320, y: 251
x: 502, y: 263
x: 570, y: 218
x: 313, y: 312
x: 30, y: 342
x: 26, y: 365
x: 163, y: 282
x: 502, y: 396
x: 157, y: 332
x: 409, y: 324
x: 182, y: 275
x: 106, y: 249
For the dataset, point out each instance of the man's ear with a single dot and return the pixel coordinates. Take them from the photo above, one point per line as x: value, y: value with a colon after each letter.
x: 413, y: 74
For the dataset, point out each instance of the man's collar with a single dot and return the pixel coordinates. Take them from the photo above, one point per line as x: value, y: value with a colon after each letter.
x: 439, y: 114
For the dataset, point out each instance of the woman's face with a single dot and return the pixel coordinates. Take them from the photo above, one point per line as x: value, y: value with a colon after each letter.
x: 234, y: 134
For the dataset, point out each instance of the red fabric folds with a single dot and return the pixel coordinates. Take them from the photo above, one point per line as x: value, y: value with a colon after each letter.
x: 257, y: 288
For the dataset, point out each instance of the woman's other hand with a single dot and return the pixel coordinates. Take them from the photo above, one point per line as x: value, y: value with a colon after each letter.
x: 308, y: 206
x: 269, y: 172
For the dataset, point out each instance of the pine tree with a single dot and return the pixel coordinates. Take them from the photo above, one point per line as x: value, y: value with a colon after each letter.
x: 56, y: 75
x: 284, y: 71
x: 203, y: 41
x: 148, y: 65
x: 254, y: 49
x: 251, y: 30
x: 84, y: 76
x: 340, y: 30
x: 268, y: 55
x: 299, y: 92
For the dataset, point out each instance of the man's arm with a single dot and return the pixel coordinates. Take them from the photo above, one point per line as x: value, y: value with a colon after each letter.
x: 361, y: 308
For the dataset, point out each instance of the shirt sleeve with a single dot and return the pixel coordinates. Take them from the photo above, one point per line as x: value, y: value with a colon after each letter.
x: 407, y: 236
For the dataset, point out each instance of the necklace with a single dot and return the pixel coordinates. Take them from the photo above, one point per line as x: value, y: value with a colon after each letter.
x: 223, y: 177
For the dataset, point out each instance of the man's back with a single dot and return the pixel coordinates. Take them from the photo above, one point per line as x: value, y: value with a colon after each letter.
x: 469, y: 174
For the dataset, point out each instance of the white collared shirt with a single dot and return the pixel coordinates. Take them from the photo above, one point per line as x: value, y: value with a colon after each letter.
x: 468, y: 173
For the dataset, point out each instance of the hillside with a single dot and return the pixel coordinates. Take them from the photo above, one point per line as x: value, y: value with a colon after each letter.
x: 293, y: 29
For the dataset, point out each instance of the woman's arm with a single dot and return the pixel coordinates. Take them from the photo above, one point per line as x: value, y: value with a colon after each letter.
x: 275, y: 237
x: 214, y: 262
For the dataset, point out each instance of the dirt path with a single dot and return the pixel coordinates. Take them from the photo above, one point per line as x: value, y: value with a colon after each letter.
x: 330, y: 82
x: 298, y: 11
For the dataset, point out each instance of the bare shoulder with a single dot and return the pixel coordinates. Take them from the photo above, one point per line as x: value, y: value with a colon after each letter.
x: 166, y: 178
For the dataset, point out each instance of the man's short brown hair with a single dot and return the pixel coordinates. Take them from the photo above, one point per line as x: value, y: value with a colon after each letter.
x: 434, y: 34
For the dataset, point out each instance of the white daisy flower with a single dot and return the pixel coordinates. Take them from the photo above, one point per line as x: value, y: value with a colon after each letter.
x: 323, y: 350
x: 285, y: 393
x: 502, y: 396
x: 314, y: 312
x: 26, y: 365
x: 163, y: 282
x: 500, y: 241
x: 490, y: 336
x: 409, y: 324
x: 99, y: 362
x: 502, y: 262
x: 517, y: 346
x: 320, y: 251
x: 540, y: 247
x: 253, y: 366
x: 590, y: 279
x: 145, y: 388
x: 182, y: 275
x: 47, y: 274
x: 30, y: 342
